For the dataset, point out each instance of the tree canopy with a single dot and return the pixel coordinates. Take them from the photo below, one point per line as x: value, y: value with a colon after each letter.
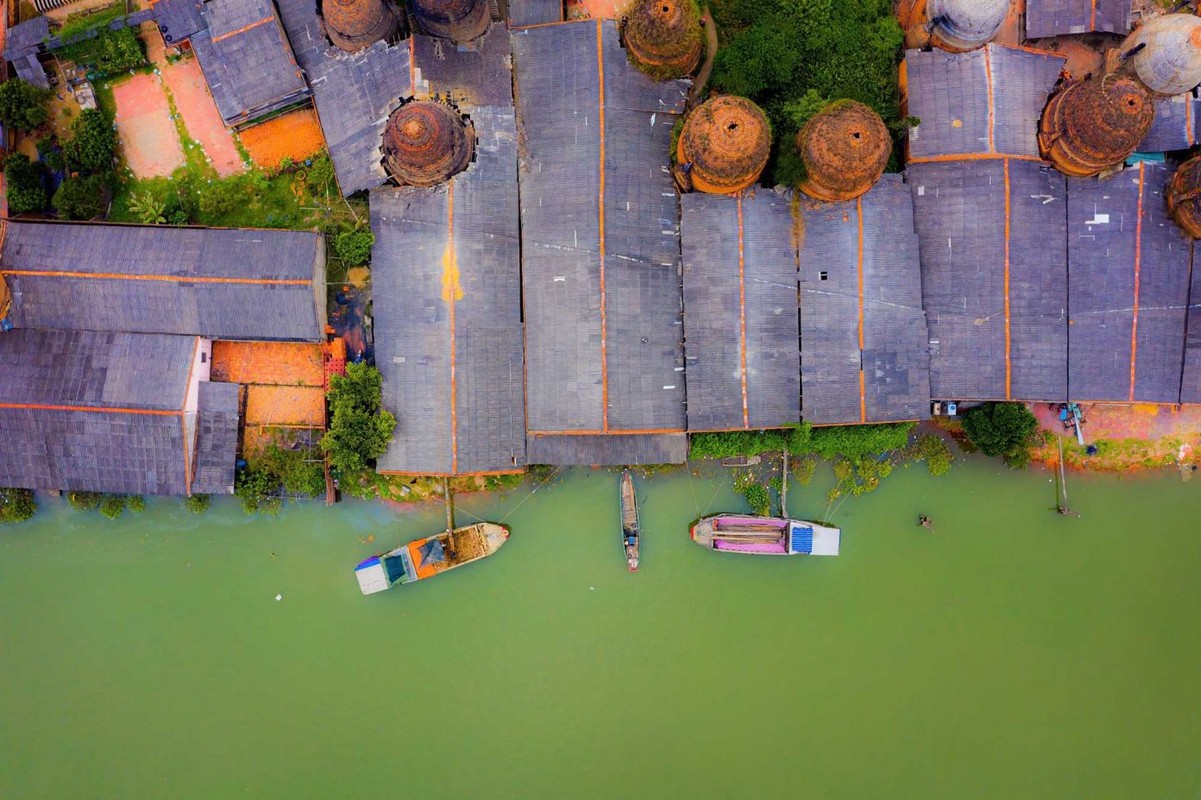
x: 359, y: 427
x: 1001, y: 429
x: 26, y: 184
x: 83, y: 198
x: 16, y: 505
x: 93, y: 143
x: 23, y: 106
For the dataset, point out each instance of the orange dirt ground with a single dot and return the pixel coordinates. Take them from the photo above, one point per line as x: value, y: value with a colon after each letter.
x: 295, y: 135
x: 285, y: 405
x: 1129, y: 437
x: 145, y: 129
x: 275, y: 363
x: 200, y: 116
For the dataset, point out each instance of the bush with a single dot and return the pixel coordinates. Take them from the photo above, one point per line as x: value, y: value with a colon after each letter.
x: 26, y: 184
x: 320, y: 178
x: 198, y: 503
x: 758, y: 498
x: 354, y: 247
x: 85, y: 501
x: 749, y: 443
x: 23, y: 106
x: 258, y: 490
x: 1002, y: 429
x: 136, y: 503
x: 83, y: 198
x: 108, y: 53
x: 934, y: 451
x: 113, y: 505
x: 93, y: 143
x: 360, y: 428
x: 16, y: 505
x: 298, y: 471
x: 148, y: 208
x: 859, y: 441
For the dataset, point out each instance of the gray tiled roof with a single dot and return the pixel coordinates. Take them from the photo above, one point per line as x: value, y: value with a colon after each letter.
x: 1128, y: 289
x: 611, y: 450
x: 534, y: 12
x: 179, y: 19
x: 417, y: 263
x: 1190, y: 385
x: 638, y: 364
x: 133, y: 440
x: 875, y: 282
x: 247, y: 61
x: 479, y: 76
x: 217, y: 438
x: 163, y: 279
x: 26, y: 37
x: 960, y: 215
x: 720, y: 291
x: 983, y: 101
x: 1058, y: 17
x: 1175, y: 125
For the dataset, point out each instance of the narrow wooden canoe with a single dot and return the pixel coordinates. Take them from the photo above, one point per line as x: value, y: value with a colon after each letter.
x: 631, y: 539
x: 431, y: 556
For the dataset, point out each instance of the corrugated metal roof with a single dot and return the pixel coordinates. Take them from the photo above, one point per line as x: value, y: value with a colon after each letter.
x: 863, y: 331
x: 93, y: 411
x: 216, y: 438
x: 1175, y: 125
x: 179, y: 19
x: 1190, y: 385
x: 480, y: 76
x: 740, y: 265
x: 453, y: 367
x: 985, y: 101
x: 612, y: 360
x: 983, y: 227
x: 1059, y: 17
x: 164, y: 279
x: 25, y: 37
x: 611, y: 450
x: 1128, y: 289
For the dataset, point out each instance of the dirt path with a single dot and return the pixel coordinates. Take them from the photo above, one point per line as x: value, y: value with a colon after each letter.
x: 702, y: 77
x: 147, y: 134
x: 200, y: 116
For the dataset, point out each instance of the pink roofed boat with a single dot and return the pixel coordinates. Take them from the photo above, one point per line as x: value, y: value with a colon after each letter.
x: 765, y: 536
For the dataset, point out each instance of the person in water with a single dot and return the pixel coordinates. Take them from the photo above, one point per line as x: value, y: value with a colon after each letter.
x: 924, y: 521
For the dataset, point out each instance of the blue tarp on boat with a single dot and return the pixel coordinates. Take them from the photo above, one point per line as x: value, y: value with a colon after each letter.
x: 801, y: 539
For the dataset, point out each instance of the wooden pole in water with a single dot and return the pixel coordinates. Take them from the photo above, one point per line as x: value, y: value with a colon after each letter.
x: 1061, y: 500
x: 450, y: 504
x: 784, y: 489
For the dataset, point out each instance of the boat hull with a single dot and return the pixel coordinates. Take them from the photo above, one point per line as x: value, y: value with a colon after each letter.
x: 422, y: 559
x: 631, y: 536
x: 750, y: 534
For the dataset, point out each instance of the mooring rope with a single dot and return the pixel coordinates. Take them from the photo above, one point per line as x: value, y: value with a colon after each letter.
x: 531, y: 494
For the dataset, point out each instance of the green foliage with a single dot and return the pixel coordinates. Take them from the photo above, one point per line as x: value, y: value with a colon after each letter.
x: 113, y: 505
x: 85, y: 501
x: 136, y: 503
x: 354, y: 247
x: 360, y: 428
x: 749, y: 443
x: 23, y: 106
x: 79, y: 23
x: 26, y: 184
x: 106, y: 54
x: 858, y: 476
x: 148, y: 208
x: 258, y: 490
x: 935, y: 452
x: 16, y: 505
x: 198, y: 503
x: 858, y: 441
x: 298, y: 471
x: 758, y: 498
x: 803, y: 469
x: 320, y: 177
x: 83, y: 198
x: 93, y: 142
x: 787, y: 55
x: 1002, y: 429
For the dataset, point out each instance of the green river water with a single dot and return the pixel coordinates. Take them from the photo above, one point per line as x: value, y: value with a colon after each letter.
x: 1010, y: 653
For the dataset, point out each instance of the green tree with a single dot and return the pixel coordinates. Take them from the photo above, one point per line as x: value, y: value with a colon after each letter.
x: 85, y: 501
x: 108, y: 53
x: 16, y: 505
x: 354, y: 247
x: 113, y: 505
x: 1002, y: 429
x: 258, y: 490
x: 23, y: 106
x: 149, y: 209
x: 298, y: 471
x: 83, y: 198
x: 26, y: 184
x: 93, y: 143
x: 360, y: 428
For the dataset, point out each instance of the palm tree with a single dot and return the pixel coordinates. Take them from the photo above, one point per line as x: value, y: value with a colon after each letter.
x: 148, y: 209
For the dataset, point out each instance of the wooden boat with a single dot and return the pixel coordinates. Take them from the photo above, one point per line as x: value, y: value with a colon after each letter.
x: 630, y: 537
x: 431, y: 556
x: 765, y: 536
